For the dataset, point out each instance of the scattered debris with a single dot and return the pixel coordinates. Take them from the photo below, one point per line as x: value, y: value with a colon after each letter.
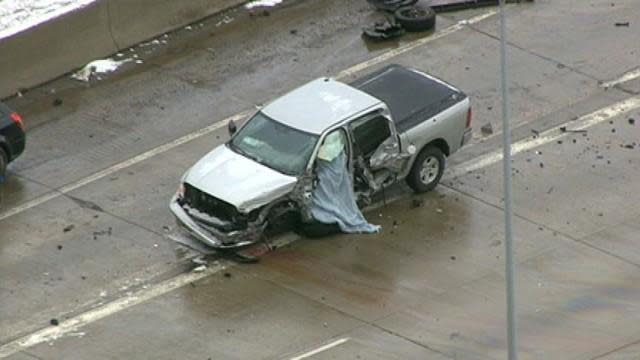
x: 559, y: 142
x: 613, y: 130
x: 383, y: 30
x: 452, y: 257
x: 629, y: 146
x: 535, y: 132
x: 416, y: 203
x: 632, y: 121
x: 625, y: 24
x: 227, y: 275
x: 102, y: 233
x: 541, y: 165
x: 59, y: 247
x: 439, y: 211
x: 57, y: 102
x: 102, y: 66
x: 261, y: 3
x: 68, y: 228
x: 564, y: 129
x: 199, y: 269
x: 54, y: 322
x: 550, y: 190
x: 487, y: 129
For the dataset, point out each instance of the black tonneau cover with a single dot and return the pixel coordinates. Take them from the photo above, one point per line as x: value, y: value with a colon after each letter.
x: 411, y: 96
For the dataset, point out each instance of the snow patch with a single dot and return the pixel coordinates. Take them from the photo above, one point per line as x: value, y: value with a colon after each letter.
x: 262, y: 3
x: 102, y: 66
x: 19, y: 15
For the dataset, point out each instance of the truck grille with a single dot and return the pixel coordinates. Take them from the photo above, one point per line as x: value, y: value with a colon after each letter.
x: 210, y: 205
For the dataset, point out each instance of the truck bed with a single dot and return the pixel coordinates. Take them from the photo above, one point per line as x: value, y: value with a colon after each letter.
x: 411, y: 96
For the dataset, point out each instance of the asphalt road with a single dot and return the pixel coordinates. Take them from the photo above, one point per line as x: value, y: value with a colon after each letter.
x: 84, y: 223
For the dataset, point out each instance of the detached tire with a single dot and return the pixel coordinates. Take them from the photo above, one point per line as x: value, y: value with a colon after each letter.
x: 416, y: 18
x: 427, y: 170
x: 3, y: 165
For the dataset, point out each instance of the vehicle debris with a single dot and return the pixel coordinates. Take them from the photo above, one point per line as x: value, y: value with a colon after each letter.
x: 261, y: 3
x: 565, y: 130
x: 416, y: 203
x: 199, y: 269
x: 383, y: 30
x: 487, y: 129
x: 400, y: 16
x: 625, y: 24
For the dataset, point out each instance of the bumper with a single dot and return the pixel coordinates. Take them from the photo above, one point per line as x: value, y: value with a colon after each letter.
x: 466, y: 138
x: 210, y: 235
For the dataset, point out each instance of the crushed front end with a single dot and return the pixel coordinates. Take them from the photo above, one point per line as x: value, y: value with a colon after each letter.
x: 214, y: 221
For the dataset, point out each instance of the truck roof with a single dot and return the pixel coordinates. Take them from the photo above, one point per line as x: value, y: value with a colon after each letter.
x: 318, y: 105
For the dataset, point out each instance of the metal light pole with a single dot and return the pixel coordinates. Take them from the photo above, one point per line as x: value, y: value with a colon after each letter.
x: 508, y: 211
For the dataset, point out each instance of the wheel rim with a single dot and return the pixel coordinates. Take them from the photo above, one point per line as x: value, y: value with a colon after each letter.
x: 414, y: 13
x: 430, y: 169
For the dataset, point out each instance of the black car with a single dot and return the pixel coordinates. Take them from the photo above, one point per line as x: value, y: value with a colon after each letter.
x: 12, y: 137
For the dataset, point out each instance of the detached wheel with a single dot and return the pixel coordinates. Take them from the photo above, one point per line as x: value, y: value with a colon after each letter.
x: 3, y: 165
x: 427, y: 170
x: 416, y: 18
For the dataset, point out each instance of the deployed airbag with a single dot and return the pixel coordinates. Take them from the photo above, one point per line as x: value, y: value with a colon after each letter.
x: 333, y: 200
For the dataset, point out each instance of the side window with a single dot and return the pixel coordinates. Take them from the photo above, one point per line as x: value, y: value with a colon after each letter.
x: 369, y: 134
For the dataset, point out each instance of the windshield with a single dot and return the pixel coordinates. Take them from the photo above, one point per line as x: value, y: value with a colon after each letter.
x: 275, y: 145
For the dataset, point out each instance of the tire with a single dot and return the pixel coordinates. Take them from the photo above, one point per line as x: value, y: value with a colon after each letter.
x: 4, y: 160
x: 416, y: 18
x: 427, y: 170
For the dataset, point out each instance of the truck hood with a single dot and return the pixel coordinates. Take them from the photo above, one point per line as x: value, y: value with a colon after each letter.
x: 238, y: 180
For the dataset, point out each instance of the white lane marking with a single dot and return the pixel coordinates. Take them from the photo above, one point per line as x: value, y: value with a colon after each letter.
x: 582, y: 123
x: 117, y: 167
x: 628, y: 76
x: 196, y: 134
x: 321, y: 349
x: 412, y: 45
x: 71, y: 326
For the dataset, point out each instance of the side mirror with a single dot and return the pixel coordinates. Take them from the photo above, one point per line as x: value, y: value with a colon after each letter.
x: 231, y: 126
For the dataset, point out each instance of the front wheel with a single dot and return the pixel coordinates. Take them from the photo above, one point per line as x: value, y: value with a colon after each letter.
x: 427, y: 170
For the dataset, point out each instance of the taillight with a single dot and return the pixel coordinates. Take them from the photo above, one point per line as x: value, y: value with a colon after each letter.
x: 17, y: 119
x: 469, y: 116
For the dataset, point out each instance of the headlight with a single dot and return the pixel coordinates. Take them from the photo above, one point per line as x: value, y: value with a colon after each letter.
x: 180, y: 191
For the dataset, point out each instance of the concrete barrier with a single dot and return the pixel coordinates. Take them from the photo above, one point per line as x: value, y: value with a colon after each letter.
x: 100, y: 29
x: 133, y: 21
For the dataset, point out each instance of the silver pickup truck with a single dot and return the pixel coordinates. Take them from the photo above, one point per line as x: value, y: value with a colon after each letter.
x: 396, y: 123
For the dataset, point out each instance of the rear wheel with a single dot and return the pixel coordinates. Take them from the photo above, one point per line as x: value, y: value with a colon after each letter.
x: 4, y: 160
x: 427, y: 170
